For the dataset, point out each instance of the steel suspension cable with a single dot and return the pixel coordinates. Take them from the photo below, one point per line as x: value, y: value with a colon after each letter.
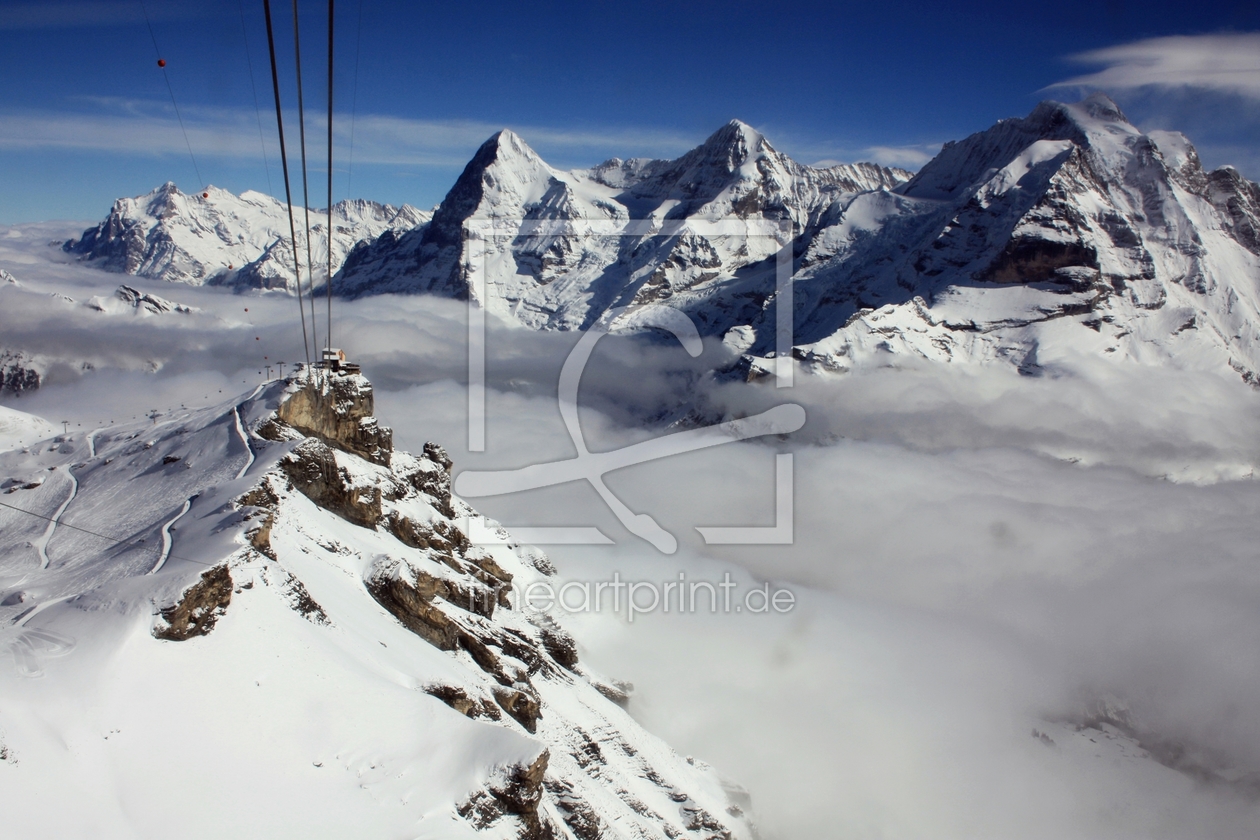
x: 111, y: 540
x: 306, y: 193
x: 328, y: 283
x: 284, y: 164
x: 170, y: 89
x: 262, y: 143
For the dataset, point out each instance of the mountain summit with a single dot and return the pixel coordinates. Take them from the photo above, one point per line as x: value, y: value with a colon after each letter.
x: 557, y: 278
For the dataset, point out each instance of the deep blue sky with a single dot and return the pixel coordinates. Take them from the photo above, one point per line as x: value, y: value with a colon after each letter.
x: 86, y: 115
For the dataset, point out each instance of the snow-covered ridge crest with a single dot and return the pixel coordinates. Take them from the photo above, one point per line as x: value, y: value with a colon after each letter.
x: 292, y: 593
x: 564, y: 280
x: 216, y: 237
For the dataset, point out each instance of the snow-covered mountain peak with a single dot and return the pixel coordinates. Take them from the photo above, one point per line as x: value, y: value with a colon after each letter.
x: 508, y: 145
x: 1096, y: 126
x: 735, y: 143
x: 504, y: 174
x: 1100, y: 108
x: 562, y: 281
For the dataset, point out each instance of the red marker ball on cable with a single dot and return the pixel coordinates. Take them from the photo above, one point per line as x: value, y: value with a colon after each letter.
x: 161, y: 62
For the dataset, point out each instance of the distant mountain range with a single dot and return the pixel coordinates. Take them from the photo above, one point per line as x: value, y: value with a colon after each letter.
x: 220, y: 239
x: 1068, y: 231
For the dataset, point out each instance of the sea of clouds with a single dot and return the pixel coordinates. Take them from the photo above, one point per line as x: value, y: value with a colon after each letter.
x: 976, y: 554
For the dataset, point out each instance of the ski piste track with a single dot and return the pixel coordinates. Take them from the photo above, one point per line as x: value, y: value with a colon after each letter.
x: 240, y: 430
x: 167, y: 539
x: 41, y: 544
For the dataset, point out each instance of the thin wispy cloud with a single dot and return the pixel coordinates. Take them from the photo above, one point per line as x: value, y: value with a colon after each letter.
x: 140, y: 127
x: 1224, y: 63
x: 906, y: 157
x: 910, y: 157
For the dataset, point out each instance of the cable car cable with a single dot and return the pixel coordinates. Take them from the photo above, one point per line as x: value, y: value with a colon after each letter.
x: 262, y: 143
x: 284, y: 164
x: 162, y: 64
x: 306, y: 194
x: 328, y: 282
x: 111, y: 540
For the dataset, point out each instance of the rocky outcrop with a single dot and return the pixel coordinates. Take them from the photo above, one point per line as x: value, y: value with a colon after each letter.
x: 18, y: 373
x: 457, y: 698
x: 337, y: 409
x: 152, y: 304
x: 200, y: 607
x: 313, y: 469
x: 517, y: 792
x: 517, y: 669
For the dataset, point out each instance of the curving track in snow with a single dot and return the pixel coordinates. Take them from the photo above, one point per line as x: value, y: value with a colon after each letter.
x: 167, y: 539
x: 240, y: 430
x: 41, y: 544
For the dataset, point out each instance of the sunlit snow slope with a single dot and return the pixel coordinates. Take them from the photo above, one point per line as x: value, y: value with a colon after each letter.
x: 259, y: 619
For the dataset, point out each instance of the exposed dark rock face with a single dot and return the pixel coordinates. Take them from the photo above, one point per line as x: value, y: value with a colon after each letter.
x: 197, y: 611
x: 1027, y: 260
x: 18, y: 374
x: 560, y: 646
x: 313, y: 469
x: 517, y: 792
x: 413, y: 606
x: 263, y: 500
x: 1239, y: 198
x: 580, y: 817
x: 521, y: 704
x: 457, y: 698
x: 338, y: 410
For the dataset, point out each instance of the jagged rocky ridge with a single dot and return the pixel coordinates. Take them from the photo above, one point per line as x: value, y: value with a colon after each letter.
x: 293, y: 509
x: 19, y: 373
x: 219, y: 238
